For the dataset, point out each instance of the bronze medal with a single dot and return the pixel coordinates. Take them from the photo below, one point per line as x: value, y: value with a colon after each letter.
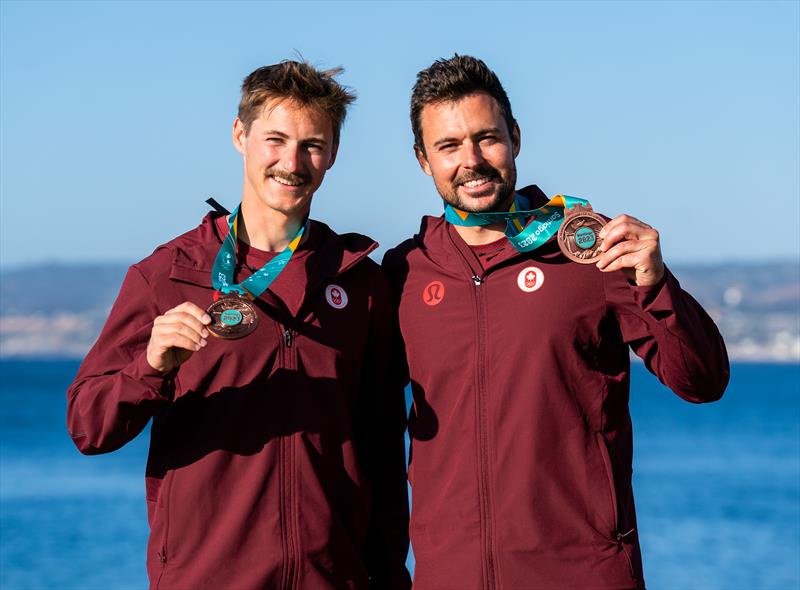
x: 579, y: 234
x: 232, y: 317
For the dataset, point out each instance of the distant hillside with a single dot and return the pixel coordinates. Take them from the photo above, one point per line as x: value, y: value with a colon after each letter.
x: 768, y: 287
x: 57, y: 310
x: 59, y: 288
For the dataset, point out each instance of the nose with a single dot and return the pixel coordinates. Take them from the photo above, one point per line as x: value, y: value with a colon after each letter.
x: 472, y: 155
x: 291, y: 157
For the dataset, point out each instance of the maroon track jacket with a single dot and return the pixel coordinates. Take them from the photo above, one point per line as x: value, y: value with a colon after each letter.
x: 521, y: 436
x: 276, y: 460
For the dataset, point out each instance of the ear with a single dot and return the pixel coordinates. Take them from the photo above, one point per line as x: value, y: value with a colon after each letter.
x: 239, y: 135
x: 516, y: 137
x: 423, y: 161
x: 334, y: 152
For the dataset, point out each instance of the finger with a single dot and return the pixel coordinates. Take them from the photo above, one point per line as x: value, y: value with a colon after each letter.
x: 626, y: 261
x: 626, y: 231
x: 622, y: 219
x: 628, y: 228
x: 191, y: 309
x: 172, y: 317
x: 621, y: 249
x: 176, y: 340
x: 164, y: 331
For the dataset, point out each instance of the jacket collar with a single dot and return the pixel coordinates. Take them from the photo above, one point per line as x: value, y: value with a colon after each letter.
x: 195, y: 251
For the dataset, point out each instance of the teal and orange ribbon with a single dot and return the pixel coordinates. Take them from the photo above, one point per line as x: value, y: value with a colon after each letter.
x: 259, y: 281
x: 541, y: 225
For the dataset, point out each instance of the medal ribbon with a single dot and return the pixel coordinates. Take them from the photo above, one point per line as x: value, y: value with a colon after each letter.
x: 543, y: 222
x: 259, y: 281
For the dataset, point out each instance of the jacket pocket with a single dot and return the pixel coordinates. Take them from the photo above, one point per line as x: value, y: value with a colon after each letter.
x: 158, y: 546
x: 610, y: 486
x: 616, y: 536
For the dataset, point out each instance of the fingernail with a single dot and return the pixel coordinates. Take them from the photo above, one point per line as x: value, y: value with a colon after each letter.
x: 203, y: 342
x: 206, y: 319
x: 204, y: 333
x: 196, y: 347
x: 602, y: 233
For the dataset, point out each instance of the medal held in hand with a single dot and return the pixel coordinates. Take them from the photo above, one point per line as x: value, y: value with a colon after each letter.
x: 232, y: 317
x: 579, y: 234
x: 232, y: 313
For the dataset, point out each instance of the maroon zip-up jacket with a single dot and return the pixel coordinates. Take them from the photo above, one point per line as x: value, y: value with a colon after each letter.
x: 277, y: 460
x: 521, y: 436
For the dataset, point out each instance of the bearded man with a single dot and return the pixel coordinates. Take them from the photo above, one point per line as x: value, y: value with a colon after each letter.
x: 518, y: 357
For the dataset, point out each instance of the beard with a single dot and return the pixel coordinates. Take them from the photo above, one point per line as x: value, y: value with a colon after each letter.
x: 502, y: 193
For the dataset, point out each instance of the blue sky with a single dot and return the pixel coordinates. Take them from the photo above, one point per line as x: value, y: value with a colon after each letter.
x: 115, y: 116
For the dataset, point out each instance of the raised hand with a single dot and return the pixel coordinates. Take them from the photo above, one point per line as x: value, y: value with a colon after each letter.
x: 633, y: 247
x: 176, y: 335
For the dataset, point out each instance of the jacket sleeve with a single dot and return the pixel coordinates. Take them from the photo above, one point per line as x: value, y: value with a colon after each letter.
x: 672, y: 334
x: 380, y: 430
x: 116, y: 391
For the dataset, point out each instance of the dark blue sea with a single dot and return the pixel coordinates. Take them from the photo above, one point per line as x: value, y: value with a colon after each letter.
x: 717, y: 487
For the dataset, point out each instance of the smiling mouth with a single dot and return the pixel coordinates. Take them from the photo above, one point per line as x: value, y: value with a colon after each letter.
x: 288, y: 181
x: 476, y: 182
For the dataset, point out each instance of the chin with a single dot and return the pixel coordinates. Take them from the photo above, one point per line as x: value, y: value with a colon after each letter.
x: 287, y: 205
x: 479, y: 204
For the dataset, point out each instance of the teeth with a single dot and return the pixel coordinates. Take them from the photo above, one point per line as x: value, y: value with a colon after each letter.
x: 286, y: 182
x: 476, y: 182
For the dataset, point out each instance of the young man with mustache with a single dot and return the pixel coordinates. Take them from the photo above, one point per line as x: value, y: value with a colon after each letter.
x: 258, y: 344
x: 518, y: 357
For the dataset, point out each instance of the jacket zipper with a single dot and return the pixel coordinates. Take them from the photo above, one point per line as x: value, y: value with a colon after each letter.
x: 294, y: 508
x: 289, y: 511
x: 483, y: 435
x: 288, y: 514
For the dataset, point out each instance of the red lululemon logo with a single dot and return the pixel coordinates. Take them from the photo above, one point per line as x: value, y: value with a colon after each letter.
x: 336, y: 296
x: 433, y: 293
x: 530, y: 279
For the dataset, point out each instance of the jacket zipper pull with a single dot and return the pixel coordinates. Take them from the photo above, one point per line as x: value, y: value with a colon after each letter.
x: 477, y: 280
x: 287, y: 338
x: 621, y: 536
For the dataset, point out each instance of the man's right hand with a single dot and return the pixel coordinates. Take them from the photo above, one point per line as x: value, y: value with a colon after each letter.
x: 176, y: 335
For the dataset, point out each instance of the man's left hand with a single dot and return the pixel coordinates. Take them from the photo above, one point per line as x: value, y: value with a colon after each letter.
x: 633, y: 247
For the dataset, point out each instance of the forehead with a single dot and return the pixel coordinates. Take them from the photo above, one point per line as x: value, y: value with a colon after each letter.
x: 293, y: 118
x: 470, y: 113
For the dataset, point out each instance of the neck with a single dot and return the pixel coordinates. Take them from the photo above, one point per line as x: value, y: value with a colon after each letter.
x: 266, y: 229
x: 481, y: 234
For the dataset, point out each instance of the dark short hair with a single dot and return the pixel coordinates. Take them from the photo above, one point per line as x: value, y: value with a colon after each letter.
x: 449, y: 80
x: 300, y: 82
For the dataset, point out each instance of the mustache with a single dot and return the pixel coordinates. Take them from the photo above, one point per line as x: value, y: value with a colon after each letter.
x: 295, y: 178
x: 482, y: 171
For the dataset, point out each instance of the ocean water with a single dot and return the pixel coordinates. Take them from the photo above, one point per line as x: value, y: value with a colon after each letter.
x: 717, y: 487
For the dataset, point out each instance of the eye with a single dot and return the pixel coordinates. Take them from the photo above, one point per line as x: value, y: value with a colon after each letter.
x: 314, y: 148
x: 489, y: 139
x: 447, y: 147
x: 275, y: 140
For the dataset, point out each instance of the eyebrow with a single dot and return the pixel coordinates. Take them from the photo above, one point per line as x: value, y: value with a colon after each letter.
x: 479, y: 132
x: 282, y: 135
x: 275, y: 132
